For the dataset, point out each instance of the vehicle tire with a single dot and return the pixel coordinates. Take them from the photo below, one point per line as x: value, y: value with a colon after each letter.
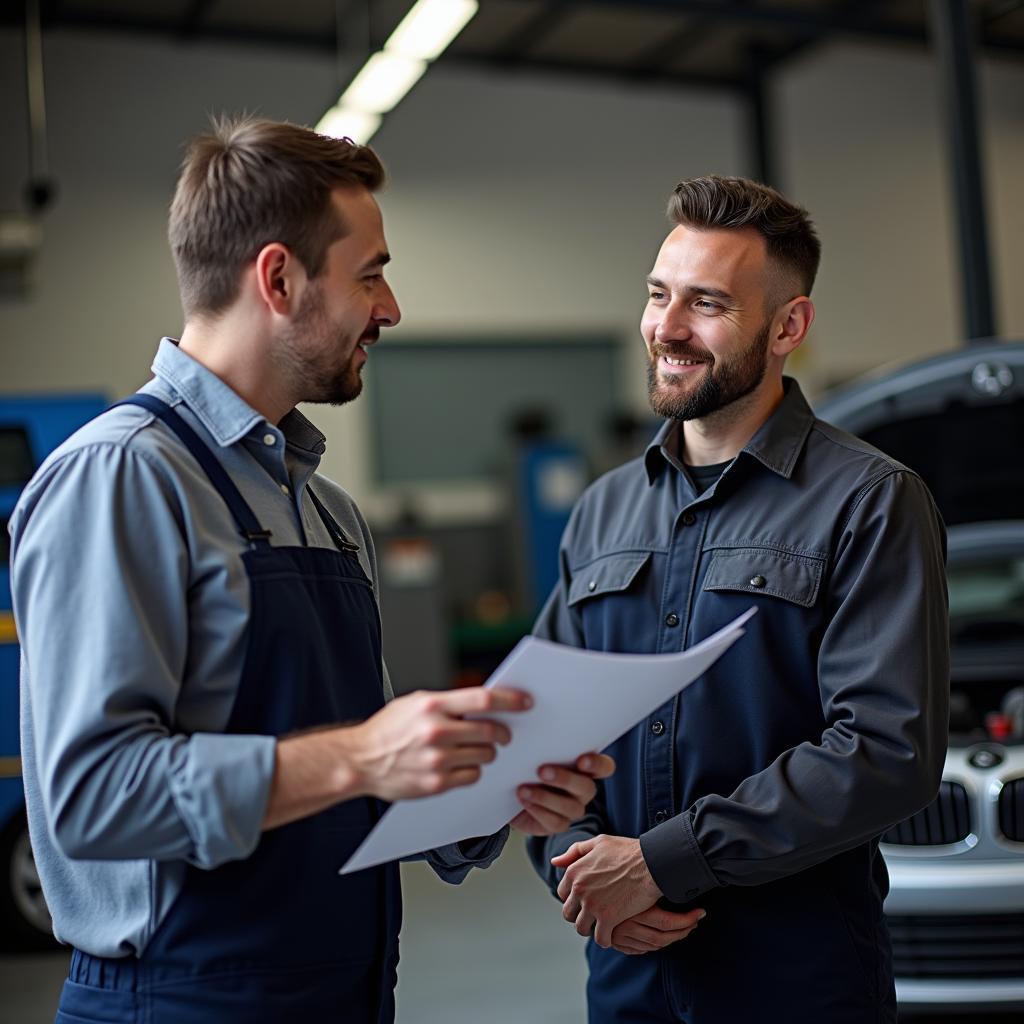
x: 24, y: 919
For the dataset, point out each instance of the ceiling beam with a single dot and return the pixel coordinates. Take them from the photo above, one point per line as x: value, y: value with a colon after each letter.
x: 208, y: 33
x: 773, y: 55
x: 653, y: 59
x: 860, y: 20
x: 1000, y: 8
x: 738, y: 12
x: 192, y: 20
x: 811, y: 25
x: 594, y: 70
x: 693, y: 32
x: 528, y: 35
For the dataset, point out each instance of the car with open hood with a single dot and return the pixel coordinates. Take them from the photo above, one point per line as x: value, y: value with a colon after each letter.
x: 956, y: 903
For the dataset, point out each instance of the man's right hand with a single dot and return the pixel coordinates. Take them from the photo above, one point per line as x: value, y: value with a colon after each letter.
x: 422, y: 744
x: 417, y: 745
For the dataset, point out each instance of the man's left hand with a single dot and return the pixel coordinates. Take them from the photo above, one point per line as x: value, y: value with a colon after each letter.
x: 561, y: 796
x: 606, y: 881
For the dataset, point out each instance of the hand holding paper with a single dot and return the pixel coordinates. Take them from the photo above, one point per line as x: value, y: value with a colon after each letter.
x: 561, y: 795
x: 582, y: 700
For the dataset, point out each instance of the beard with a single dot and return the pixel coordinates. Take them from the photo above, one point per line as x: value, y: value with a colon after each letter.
x: 309, y: 354
x: 721, y: 384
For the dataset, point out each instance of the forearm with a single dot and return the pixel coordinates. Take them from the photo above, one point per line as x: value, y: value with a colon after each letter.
x: 312, y: 772
x: 418, y: 745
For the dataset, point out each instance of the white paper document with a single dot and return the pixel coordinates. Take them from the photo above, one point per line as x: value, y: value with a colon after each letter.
x: 582, y: 701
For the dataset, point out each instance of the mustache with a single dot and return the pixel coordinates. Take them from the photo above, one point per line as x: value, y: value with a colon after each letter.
x: 677, y: 351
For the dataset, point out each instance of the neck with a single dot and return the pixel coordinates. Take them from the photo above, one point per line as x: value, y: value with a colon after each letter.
x: 240, y: 355
x: 721, y: 436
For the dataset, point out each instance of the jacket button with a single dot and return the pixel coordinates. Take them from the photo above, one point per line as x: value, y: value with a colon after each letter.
x: 689, y: 519
x: 758, y: 581
x: 657, y: 728
x: 671, y: 619
x: 660, y: 817
x: 592, y: 586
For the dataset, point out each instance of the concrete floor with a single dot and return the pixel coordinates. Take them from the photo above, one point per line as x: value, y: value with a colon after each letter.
x: 494, y: 949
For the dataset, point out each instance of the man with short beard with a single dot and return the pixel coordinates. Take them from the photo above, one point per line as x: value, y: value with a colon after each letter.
x: 205, y: 739
x: 729, y: 873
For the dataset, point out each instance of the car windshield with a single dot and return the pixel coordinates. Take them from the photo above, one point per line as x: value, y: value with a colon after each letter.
x: 986, y: 600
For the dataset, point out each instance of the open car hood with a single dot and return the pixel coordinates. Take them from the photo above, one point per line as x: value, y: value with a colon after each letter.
x: 957, y: 419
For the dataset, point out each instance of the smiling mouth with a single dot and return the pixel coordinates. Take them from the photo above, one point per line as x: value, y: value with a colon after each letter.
x: 678, y: 367
x: 683, y: 362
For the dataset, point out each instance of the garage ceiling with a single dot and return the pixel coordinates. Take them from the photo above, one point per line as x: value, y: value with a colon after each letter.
x: 694, y: 43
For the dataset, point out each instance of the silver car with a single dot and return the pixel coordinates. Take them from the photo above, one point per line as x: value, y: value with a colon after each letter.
x: 956, y: 904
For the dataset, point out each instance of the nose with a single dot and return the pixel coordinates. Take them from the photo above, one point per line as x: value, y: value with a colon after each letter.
x: 386, y: 313
x: 674, y: 325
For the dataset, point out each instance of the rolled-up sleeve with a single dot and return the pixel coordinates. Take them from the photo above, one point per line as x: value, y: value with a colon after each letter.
x: 883, y: 672
x: 100, y: 581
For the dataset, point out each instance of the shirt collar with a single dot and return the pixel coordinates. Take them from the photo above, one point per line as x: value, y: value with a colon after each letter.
x: 777, y: 443
x: 222, y: 411
x: 300, y: 433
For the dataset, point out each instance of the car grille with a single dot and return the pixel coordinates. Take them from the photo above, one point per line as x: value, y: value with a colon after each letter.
x: 1011, y: 810
x: 946, y: 819
x: 963, y: 946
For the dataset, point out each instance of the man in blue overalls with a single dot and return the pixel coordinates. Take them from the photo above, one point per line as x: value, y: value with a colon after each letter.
x: 204, y: 732
x: 752, y: 802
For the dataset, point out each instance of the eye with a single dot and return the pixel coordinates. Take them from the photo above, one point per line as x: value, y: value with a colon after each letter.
x: 708, y: 306
x: 656, y: 296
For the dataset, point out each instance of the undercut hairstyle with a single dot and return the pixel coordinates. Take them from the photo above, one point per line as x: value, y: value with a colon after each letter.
x: 792, y: 243
x: 249, y: 182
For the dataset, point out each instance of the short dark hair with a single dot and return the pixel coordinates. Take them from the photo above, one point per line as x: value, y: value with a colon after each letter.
x: 719, y: 202
x: 249, y: 182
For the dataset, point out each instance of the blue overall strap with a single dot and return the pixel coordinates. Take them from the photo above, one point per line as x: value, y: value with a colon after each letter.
x: 248, y: 524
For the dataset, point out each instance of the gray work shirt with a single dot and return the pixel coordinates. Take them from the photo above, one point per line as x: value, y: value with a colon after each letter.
x: 132, y: 606
x: 827, y: 721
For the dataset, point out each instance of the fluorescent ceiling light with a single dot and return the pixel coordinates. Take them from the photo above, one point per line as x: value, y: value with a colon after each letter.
x: 388, y: 75
x: 429, y: 27
x: 383, y: 81
x: 358, y: 125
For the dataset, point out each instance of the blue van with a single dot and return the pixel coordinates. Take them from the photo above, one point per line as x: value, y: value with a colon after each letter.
x: 30, y: 428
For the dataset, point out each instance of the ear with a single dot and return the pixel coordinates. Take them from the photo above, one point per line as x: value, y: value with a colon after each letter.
x: 279, y: 278
x: 792, y: 322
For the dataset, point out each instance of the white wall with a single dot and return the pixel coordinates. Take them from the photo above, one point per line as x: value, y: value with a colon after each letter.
x: 517, y: 204
x: 863, y: 145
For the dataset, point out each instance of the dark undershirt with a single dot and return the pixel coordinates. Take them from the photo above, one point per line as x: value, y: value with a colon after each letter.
x: 704, y: 477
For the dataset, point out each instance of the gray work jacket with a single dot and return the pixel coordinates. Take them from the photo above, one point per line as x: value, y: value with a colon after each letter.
x: 822, y: 726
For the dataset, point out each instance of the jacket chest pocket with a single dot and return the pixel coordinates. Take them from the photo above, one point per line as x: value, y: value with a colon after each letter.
x: 614, y: 602
x: 768, y: 572
x: 612, y: 574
